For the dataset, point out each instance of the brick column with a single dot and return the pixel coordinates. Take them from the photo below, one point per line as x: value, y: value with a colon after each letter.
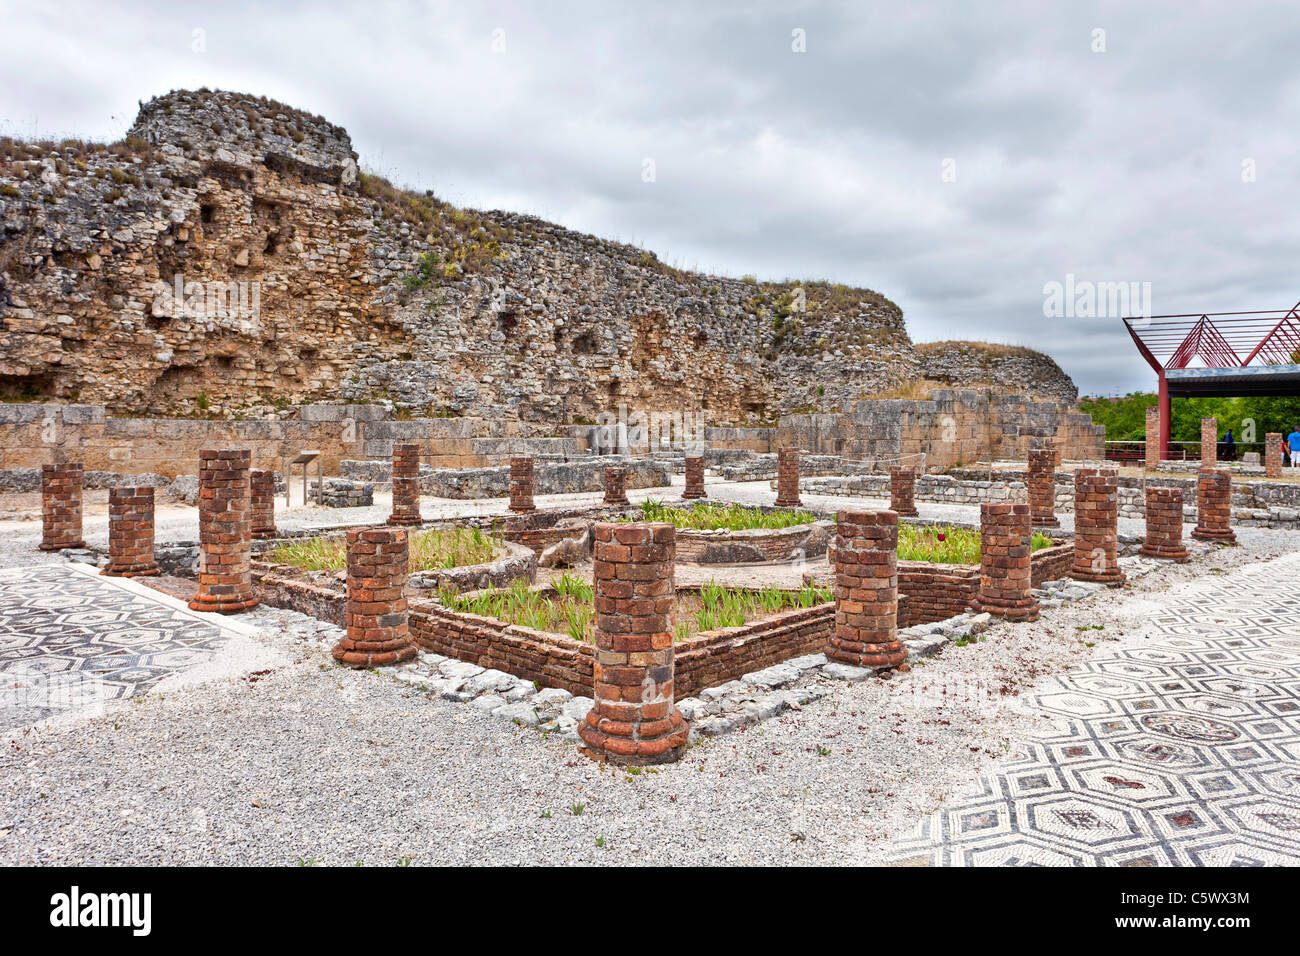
x: 1153, y: 437
x: 130, y: 533
x: 902, y: 491
x: 634, y: 720
x: 262, y: 503
x: 1209, y: 442
x: 1042, y: 488
x: 61, y: 506
x: 1214, y: 506
x: 406, y: 485
x: 1096, y: 527
x: 1165, y: 525
x: 377, y: 617
x: 521, y: 485
x: 694, y: 478
x: 864, y: 556
x: 787, y: 478
x: 225, y: 532
x: 1006, y: 586
x: 615, y: 486
x: 1273, y: 455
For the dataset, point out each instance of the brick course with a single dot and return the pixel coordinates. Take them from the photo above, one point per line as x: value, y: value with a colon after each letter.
x: 130, y: 533
x: 61, y: 506
x: 1041, y: 480
x: 262, y: 503
x: 787, y: 478
x: 1273, y: 455
x: 521, y: 485
x: 694, y: 478
x: 1153, y: 438
x: 864, y: 555
x: 225, y: 532
x: 1209, y: 442
x: 1096, y: 527
x: 615, y: 486
x: 902, y: 491
x: 1006, y: 588
x: 1214, y: 506
x: 1164, y: 537
x: 634, y: 719
x: 378, y: 629
x: 406, y: 485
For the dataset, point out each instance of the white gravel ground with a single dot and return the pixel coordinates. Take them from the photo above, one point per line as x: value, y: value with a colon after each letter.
x: 321, y: 763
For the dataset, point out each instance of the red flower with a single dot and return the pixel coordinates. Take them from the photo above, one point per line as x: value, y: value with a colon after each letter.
x: 942, y: 536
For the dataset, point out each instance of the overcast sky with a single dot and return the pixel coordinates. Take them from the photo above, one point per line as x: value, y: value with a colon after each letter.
x: 954, y: 157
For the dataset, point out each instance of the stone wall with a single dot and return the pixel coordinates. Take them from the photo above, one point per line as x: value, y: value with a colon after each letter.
x: 345, y: 287
x: 952, y: 427
x: 35, y: 434
x: 981, y: 363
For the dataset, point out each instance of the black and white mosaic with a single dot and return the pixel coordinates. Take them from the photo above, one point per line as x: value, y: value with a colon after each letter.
x: 1184, y: 750
x: 69, y: 640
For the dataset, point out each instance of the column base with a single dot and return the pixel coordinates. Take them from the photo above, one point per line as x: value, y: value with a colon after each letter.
x: 223, y: 605
x: 1167, y: 552
x: 1050, y: 521
x: 635, y: 745
x: 1213, y: 534
x: 905, y: 512
x: 62, y: 547
x: 132, y: 571
x: 363, y: 654
x: 786, y: 502
x: 406, y: 521
x: 263, y: 533
x: 875, y: 656
x: 522, y: 510
x: 1017, y: 610
x: 1110, y: 578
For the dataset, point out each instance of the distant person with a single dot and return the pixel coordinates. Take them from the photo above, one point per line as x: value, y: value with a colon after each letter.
x: 1293, y: 445
x: 1229, y: 447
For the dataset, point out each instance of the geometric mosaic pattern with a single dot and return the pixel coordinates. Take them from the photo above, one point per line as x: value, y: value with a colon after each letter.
x: 1181, y: 751
x: 68, y: 640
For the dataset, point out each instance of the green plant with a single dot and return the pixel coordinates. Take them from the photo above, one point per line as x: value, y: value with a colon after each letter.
x: 430, y: 550
x: 732, y: 517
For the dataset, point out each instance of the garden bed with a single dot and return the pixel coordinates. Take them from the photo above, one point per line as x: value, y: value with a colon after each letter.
x: 452, y: 559
x: 702, y: 658
x: 710, y: 533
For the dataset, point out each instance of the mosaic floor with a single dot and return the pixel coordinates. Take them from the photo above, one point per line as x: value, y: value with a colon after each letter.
x: 1183, y: 751
x: 72, y: 640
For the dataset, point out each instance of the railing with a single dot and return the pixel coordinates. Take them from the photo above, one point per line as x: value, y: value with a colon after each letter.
x: 1178, y: 450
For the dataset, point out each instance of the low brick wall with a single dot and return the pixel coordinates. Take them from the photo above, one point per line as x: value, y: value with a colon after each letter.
x: 555, y: 660
x: 715, y: 657
x: 931, y: 592
x: 539, y: 530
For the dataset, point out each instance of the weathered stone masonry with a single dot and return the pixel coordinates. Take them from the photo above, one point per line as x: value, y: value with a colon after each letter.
x: 1214, y: 506
x: 1096, y: 527
x: 521, y: 485
x: 787, y: 478
x: 378, y: 630
x: 406, y: 485
x: 1041, y: 480
x: 225, y: 532
x: 694, y: 478
x: 615, y: 486
x: 130, y: 532
x: 262, y: 503
x: 902, y: 491
x: 864, y: 556
x: 634, y: 719
x: 61, y: 506
x: 1164, y: 537
x: 1006, y: 588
